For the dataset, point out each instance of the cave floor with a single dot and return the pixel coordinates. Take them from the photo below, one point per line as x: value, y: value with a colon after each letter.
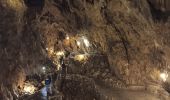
x: 112, y: 94
x: 118, y: 94
x: 108, y: 93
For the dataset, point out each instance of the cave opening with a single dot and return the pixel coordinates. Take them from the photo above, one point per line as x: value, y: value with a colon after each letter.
x: 34, y: 3
x: 157, y: 14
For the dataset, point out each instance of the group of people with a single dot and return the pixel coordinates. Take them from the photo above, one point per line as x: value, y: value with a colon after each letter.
x: 46, y: 91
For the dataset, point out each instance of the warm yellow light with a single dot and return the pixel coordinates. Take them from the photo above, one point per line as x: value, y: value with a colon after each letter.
x: 58, y: 67
x: 29, y: 89
x: 16, y: 4
x: 164, y: 76
x: 60, y: 53
x: 78, y: 43
x: 67, y: 37
x: 80, y: 57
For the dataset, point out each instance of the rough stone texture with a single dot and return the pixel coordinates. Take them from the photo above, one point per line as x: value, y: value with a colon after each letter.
x: 119, y: 31
x: 20, y: 47
x: 129, y: 46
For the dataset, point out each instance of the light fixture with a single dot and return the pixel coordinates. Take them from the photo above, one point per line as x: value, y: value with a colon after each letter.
x: 29, y: 88
x: 44, y: 69
x: 164, y: 76
x: 86, y: 42
x: 78, y: 43
x: 67, y: 37
x: 60, y: 53
x: 58, y: 67
x: 80, y: 57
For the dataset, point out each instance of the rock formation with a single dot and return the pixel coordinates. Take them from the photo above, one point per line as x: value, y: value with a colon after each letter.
x: 128, y: 45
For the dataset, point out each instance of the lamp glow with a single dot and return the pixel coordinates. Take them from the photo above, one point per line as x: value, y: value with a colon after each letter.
x: 29, y: 89
x: 60, y: 53
x: 86, y: 42
x: 58, y: 67
x: 164, y: 76
x: 43, y: 68
x: 67, y: 37
x: 78, y: 43
x: 80, y: 57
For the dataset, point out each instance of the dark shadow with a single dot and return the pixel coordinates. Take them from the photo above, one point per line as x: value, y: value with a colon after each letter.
x: 34, y: 7
x: 34, y: 3
x: 157, y: 14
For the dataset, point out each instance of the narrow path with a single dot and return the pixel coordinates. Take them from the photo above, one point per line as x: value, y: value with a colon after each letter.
x: 120, y: 94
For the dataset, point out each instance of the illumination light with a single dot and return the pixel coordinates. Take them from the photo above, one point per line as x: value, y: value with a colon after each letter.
x: 15, y: 4
x: 80, y: 57
x: 58, y: 67
x: 43, y: 68
x: 164, y: 76
x: 29, y: 89
x: 86, y: 42
x: 60, y: 53
x: 67, y: 37
x: 78, y: 43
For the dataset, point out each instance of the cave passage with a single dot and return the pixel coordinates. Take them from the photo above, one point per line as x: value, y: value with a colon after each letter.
x: 84, y: 50
x: 34, y: 3
x: 158, y: 14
